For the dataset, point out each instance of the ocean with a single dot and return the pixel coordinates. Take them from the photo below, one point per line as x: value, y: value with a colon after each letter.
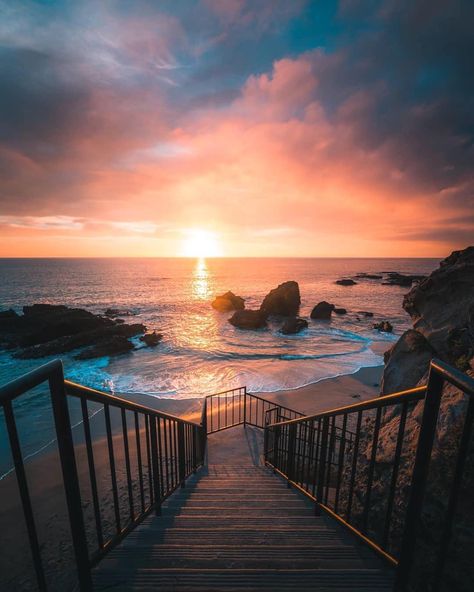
x: 201, y: 352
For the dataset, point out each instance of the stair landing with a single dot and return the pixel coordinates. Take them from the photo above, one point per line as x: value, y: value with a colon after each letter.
x: 237, y: 526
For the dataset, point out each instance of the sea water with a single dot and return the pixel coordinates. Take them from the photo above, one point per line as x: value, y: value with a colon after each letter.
x: 201, y: 352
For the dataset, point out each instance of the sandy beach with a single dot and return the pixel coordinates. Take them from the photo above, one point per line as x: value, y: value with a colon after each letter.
x: 46, y: 485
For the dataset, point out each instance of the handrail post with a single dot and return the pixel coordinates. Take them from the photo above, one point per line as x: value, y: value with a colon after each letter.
x: 291, y: 453
x: 322, y: 464
x: 420, y: 475
x: 181, y: 455
x: 154, y: 464
x: 70, y: 478
x: 245, y: 406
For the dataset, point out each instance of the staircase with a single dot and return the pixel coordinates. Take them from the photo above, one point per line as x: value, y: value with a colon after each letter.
x: 239, y: 527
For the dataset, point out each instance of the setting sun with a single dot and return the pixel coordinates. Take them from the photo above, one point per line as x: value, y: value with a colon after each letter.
x: 201, y: 243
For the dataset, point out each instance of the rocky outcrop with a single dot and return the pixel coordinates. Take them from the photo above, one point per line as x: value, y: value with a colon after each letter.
x: 151, y: 339
x: 406, y: 362
x: 227, y: 302
x: 442, y: 308
x: 346, y: 282
x: 401, y: 279
x: 46, y: 329
x: 248, y: 319
x: 369, y: 276
x: 113, y: 346
x: 366, y: 313
x: 322, y: 311
x: 284, y: 300
x: 293, y: 325
x: 384, y: 326
x: 340, y: 311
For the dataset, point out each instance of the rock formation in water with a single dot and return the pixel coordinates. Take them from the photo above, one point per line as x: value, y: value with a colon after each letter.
x: 48, y: 329
x: 151, y: 339
x: 293, y: 325
x: 384, y: 326
x: 284, y: 300
x: 227, y: 302
x: 248, y: 319
x: 322, y: 311
x: 345, y: 282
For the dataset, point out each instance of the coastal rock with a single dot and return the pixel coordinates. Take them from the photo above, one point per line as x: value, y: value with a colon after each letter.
x: 248, y: 319
x: 293, y: 325
x: 322, y: 311
x: 284, y: 300
x: 227, y: 302
x: 117, y: 312
x: 47, y: 329
x: 384, y: 326
x: 369, y: 276
x: 366, y: 313
x: 340, y: 311
x: 113, y: 346
x: 346, y: 282
x: 406, y: 362
x: 151, y: 339
x: 442, y: 307
x: 401, y: 279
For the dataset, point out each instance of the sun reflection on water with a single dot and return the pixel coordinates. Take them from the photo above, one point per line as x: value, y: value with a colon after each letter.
x: 200, y: 282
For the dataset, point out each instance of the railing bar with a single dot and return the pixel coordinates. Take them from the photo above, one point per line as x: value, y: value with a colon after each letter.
x: 160, y: 437
x: 396, y: 465
x: 355, y: 453
x: 165, y: 441
x: 453, y: 495
x: 154, y: 459
x: 310, y: 453
x: 176, y: 452
x: 24, y: 494
x: 316, y: 458
x: 218, y: 413
x: 92, y: 475
x: 127, y: 464
x: 342, y: 448
x: 370, y: 476
x: 330, y: 453
x: 139, y: 461
x: 148, y: 454
x: 113, y: 475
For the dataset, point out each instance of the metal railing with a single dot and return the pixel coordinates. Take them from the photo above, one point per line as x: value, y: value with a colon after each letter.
x: 338, y: 473
x: 166, y: 450
x: 235, y: 407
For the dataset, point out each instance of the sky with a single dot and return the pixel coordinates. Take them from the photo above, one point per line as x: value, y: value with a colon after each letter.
x: 236, y: 128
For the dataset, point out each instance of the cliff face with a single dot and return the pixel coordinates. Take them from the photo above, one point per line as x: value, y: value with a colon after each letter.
x: 442, y: 309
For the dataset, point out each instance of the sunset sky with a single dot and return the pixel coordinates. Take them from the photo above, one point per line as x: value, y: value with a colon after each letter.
x: 252, y: 127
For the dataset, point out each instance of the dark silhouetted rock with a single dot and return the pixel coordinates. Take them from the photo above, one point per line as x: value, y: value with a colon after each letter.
x: 284, y: 300
x: 227, y: 302
x: 346, y: 282
x: 151, y: 339
x: 406, y: 362
x: 248, y: 319
x: 47, y: 329
x: 117, y: 312
x: 340, y: 311
x: 401, y: 279
x: 113, y: 346
x: 369, y: 276
x: 384, y: 326
x: 366, y: 313
x: 442, y: 307
x: 293, y: 325
x: 322, y: 311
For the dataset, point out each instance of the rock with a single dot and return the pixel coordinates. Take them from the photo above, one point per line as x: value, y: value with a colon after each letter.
x: 322, y: 311
x: 47, y: 329
x: 442, y: 307
x: 369, y: 276
x: 384, y: 326
x: 346, y: 282
x: 401, y: 279
x: 151, y: 339
x: 228, y: 301
x: 284, y: 300
x: 406, y: 362
x: 366, y: 313
x: 293, y: 325
x: 340, y: 311
x: 248, y: 319
x: 113, y: 346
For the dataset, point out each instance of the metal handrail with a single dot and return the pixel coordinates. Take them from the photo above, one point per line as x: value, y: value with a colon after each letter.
x: 173, y: 449
x: 301, y: 451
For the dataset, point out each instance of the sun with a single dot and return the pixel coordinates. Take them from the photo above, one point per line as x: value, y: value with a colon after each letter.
x: 201, y: 244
